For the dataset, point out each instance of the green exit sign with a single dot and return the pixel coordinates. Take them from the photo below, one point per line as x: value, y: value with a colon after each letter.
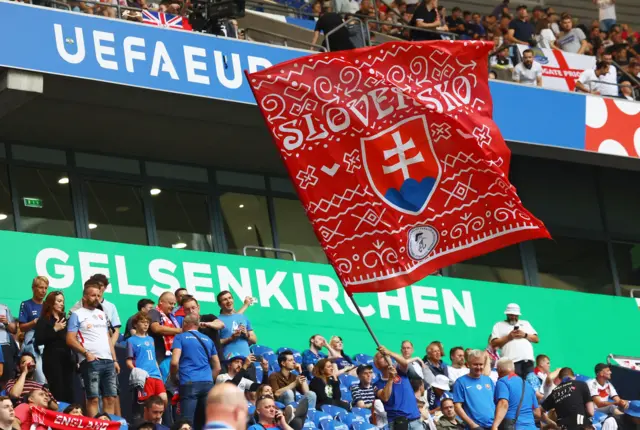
x: 32, y: 202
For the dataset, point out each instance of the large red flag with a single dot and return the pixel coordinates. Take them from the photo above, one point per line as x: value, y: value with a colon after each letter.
x: 395, y: 157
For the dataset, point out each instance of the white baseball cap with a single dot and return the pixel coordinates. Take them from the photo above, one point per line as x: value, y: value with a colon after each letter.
x: 441, y: 382
x: 512, y: 309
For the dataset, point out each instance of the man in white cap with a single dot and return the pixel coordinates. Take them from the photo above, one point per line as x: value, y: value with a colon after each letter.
x: 514, y: 337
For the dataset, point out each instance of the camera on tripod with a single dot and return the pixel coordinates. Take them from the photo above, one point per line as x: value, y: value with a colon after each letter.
x: 208, y: 15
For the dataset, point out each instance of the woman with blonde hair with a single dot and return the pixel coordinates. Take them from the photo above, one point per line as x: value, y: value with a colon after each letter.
x: 343, y: 363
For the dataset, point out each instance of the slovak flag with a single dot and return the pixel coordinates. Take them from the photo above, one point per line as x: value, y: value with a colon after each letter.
x: 396, y: 158
x: 165, y: 20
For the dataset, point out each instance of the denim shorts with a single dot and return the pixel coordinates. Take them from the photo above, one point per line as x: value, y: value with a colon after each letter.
x: 99, y: 378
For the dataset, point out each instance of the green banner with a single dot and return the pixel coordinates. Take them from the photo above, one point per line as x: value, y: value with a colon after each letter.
x: 297, y: 300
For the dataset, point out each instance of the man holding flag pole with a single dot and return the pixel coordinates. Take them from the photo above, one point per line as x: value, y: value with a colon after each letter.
x: 397, y: 160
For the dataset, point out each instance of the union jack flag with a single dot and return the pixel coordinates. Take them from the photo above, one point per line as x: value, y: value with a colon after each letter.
x: 165, y: 20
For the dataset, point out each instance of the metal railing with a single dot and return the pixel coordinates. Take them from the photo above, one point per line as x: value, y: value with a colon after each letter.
x: 353, y: 21
x: 443, y: 34
x: 593, y: 85
x: 633, y: 291
x: 268, y: 249
x: 279, y: 8
x: 285, y: 39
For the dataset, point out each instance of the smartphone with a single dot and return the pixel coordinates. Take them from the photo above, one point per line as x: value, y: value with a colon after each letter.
x: 517, y: 327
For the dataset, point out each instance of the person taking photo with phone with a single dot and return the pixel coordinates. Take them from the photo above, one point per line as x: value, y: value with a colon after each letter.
x: 515, y: 338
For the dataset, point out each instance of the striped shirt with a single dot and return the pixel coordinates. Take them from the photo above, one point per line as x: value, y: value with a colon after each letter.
x: 29, y: 386
x: 358, y: 393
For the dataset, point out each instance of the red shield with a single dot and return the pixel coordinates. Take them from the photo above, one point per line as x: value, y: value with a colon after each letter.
x: 401, y: 165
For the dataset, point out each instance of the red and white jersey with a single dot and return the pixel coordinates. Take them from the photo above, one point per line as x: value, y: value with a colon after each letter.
x: 605, y: 391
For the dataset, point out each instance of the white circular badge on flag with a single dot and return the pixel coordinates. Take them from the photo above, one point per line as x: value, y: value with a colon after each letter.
x: 421, y: 241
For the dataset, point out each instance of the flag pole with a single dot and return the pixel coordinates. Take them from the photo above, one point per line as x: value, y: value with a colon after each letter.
x: 366, y: 324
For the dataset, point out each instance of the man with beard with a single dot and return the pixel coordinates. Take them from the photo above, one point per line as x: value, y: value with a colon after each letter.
x: 96, y: 354
x: 528, y: 72
x: 515, y: 336
x: 26, y: 382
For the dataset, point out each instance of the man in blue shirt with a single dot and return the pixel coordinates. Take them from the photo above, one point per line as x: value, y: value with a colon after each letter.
x: 395, y: 391
x: 473, y: 394
x: 29, y: 313
x: 508, y: 395
x: 237, y: 334
x: 141, y: 354
x: 311, y: 356
x: 195, y: 361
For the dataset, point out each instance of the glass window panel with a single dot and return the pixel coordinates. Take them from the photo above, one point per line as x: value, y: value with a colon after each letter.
x: 283, y: 185
x: 295, y: 232
x: 543, y: 185
x: 244, y: 180
x: 246, y: 222
x: 6, y: 208
x: 173, y: 171
x: 3, y: 151
x: 45, y: 201
x: 503, y: 265
x: 116, y: 213
x: 105, y: 162
x: 621, y: 200
x: 574, y: 264
x: 627, y: 257
x: 39, y: 155
x: 182, y: 220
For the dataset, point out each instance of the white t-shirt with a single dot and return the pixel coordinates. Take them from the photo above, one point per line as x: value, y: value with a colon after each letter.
x: 92, y: 332
x: 225, y: 377
x: 527, y: 76
x: 589, y: 79
x: 545, y: 38
x: 607, y: 9
x: 456, y: 373
x: 610, y: 78
x: 605, y: 392
x: 546, y: 389
x: 516, y: 349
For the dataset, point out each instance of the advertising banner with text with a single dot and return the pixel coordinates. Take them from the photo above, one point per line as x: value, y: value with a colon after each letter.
x: 297, y: 300
x: 560, y: 69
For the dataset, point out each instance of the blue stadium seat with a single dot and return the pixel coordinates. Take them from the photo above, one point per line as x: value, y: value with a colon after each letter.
x: 261, y: 350
x: 124, y: 425
x: 335, y: 411
x: 309, y: 425
x: 3, y: 393
x: 348, y: 380
x: 259, y: 371
x: 273, y: 362
x: 345, y: 393
x: 280, y: 405
x: 296, y: 354
x: 366, y: 413
x: 298, y: 396
x: 582, y: 378
x: 363, y: 359
x: 599, y: 417
x: 333, y: 425
x: 311, y: 415
x: 320, y: 416
x: 61, y: 405
x: 363, y: 426
x: 350, y: 419
x: 294, y: 404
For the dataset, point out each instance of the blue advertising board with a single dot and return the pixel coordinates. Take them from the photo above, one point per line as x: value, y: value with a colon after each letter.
x: 122, y: 52
x: 140, y: 55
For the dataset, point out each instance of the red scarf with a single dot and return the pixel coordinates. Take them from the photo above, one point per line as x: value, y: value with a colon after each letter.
x: 168, y: 321
x: 60, y: 421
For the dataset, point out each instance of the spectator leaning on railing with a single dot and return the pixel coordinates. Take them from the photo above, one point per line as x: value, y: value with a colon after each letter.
x: 591, y: 81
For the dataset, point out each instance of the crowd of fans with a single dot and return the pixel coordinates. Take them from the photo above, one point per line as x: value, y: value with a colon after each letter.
x: 192, y: 370
x: 507, y: 27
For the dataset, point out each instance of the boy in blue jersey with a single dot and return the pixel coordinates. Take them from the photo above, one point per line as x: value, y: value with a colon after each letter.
x: 237, y: 334
x: 473, y: 394
x: 141, y: 354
